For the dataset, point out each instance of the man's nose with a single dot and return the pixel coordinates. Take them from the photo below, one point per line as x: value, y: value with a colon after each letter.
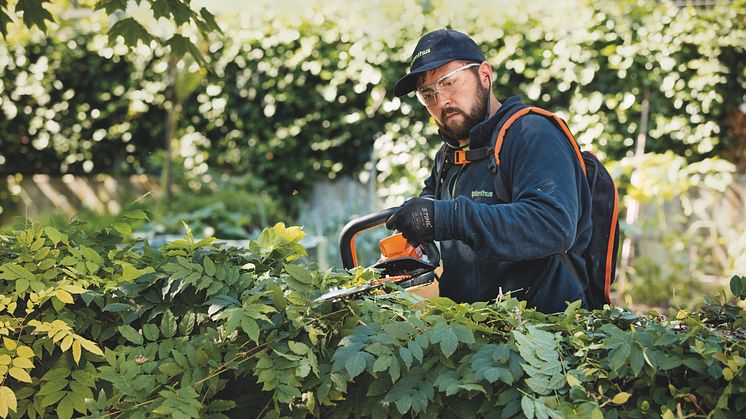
x: 443, y: 99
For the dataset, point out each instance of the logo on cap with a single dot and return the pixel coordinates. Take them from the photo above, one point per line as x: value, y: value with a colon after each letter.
x: 420, y: 54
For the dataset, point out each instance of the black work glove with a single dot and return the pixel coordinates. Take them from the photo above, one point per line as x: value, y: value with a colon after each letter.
x: 415, y: 220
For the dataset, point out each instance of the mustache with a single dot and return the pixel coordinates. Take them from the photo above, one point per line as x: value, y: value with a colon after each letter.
x: 446, y: 111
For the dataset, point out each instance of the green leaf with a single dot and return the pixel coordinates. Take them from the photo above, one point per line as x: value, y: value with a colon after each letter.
x: 251, y: 328
x: 737, y: 286
x: 232, y: 318
x: 168, y: 324
x: 78, y: 401
x: 356, y: 364
x: 406, y: 357
x: 135, y: 214
x: 52, y: 398
x: 111, y: 6
x: 382, y: 363
x: 131, y: 32
x: 181, y: 403
x: 151, y: 332
x: 160, y: 8
x: 123, y: 228
x: 447, y: 338
x: 91, y: 255
x: 129, y: 333
x: 416, y: 350
x: 221, y: 405
x: 170, y: 368
x: 180, y: 46
x: 117, y: 307
x: 180, y: 11
x: 572, y: 380
x: 299, y: 274
x: 209, y: 20
x: 56, y: 374
x: 186, y: 325
x: 65, y: 408
x: 85, y: 378
x: 34, y: 13
x: 619, y: 355
x: 15, y: 271
x: 36, y: 246
x: 81, y: 389
x: 463, y: 333
x: 22, y: 285
x: 209, y: 266
x: 130, y: 273
x: 299, y: 348
x: 527, y: 405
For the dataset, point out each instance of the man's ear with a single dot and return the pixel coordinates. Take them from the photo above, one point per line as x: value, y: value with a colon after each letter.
x: 485, y: 73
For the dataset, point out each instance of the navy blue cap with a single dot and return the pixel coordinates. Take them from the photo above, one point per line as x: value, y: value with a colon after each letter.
x: 434, y: 50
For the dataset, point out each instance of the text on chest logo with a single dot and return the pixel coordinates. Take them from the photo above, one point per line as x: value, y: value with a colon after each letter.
x: 484, y: 194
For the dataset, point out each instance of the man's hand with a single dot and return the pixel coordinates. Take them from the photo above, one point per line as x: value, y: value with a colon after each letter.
x: 415, y: 220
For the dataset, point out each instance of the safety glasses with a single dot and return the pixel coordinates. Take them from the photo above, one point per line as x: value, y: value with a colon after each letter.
x: 448, y: 84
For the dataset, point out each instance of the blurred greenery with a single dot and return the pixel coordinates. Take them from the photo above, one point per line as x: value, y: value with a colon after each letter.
x: 295, y: 97
x: 300, y: 91
x: 686, y: 239
x: 226, y: 208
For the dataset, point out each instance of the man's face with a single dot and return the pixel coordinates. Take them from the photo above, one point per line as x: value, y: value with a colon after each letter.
x: 458, y: 112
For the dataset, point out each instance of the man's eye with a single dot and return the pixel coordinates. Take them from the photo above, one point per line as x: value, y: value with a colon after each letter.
x: 448, y: 83
x: 428, y: 95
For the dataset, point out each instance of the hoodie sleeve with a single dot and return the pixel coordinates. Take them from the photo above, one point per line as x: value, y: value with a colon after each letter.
x: 543, y: 172
x: 429, y: 190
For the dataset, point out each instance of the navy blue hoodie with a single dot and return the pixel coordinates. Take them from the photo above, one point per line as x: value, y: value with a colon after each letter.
x: 505, y: 231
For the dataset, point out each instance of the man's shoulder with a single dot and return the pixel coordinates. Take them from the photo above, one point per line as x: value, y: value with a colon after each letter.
x: 533, y: 134
x: 532, y: 123
x: 529, y: 127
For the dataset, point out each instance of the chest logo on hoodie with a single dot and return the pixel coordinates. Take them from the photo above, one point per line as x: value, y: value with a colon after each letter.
x: 483, y: 194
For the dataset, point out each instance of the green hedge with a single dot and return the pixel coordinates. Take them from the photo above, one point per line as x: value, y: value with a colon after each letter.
x: 295, y: 95
x: 94, y: 326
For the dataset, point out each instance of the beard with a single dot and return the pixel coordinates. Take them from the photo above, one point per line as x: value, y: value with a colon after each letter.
x: 459, y: 130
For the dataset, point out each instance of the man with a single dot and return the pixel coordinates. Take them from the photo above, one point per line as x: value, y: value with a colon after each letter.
x: 521, y: 225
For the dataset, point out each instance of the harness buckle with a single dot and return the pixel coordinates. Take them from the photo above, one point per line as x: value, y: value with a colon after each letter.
x: 459, y: 157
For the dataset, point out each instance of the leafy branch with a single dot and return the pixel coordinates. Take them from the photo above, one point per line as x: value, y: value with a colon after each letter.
x: 36, y: 13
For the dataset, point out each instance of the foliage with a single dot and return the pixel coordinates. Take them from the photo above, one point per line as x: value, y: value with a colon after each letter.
x: 93, y: 326
x: 36, y: 13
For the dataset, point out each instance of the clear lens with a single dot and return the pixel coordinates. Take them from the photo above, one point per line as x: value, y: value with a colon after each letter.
x: 448, y: 84
x: 428, y: 97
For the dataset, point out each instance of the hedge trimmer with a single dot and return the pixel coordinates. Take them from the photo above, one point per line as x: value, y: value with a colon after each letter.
x: 400, y: 263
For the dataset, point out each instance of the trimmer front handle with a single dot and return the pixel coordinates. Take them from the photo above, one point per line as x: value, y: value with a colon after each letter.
x: 366, y: 222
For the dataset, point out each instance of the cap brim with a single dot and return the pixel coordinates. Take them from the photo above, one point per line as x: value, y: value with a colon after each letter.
x: 408, y: 83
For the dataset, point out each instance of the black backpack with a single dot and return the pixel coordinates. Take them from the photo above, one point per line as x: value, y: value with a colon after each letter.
x: 601, y: 254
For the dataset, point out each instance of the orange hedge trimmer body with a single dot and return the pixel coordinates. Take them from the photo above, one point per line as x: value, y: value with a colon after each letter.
x: 400, y: 262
